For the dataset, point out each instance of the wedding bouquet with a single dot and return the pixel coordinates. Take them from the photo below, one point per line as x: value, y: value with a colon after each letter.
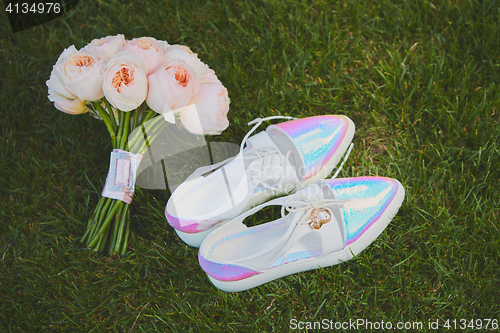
x: 131, y: 84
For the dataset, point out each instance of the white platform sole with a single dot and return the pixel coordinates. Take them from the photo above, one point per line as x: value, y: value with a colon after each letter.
x: 195, y: 239
x: 313, y: 263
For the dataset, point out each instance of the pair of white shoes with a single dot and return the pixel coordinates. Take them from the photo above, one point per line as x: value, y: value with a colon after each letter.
x: 324, y: 222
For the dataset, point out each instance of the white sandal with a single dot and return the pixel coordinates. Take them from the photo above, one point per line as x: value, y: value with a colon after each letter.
x: 328, y: 222
x: 285, y: 157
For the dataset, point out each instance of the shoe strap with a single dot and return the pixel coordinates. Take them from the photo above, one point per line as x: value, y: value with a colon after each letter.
x: 331, y: 235
x: 259, y: 141
x: 258, y: 122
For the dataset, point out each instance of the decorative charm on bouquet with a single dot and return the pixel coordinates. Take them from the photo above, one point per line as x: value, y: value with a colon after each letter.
x: 128, y: 84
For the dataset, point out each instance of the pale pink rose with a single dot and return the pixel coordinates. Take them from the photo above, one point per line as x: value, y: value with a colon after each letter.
x: 77, y: 75
x: 184, y: 53
x: 163, y: 45
x: 149, y: 50
x: 207, y: 112
x: 106, y: 47
x: 184, y: 48
x: 125, y: 83
x: 171, y: 87
x: 71, y: 106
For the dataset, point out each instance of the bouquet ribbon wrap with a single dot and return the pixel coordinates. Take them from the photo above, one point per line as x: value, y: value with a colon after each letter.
x: 122, y: 174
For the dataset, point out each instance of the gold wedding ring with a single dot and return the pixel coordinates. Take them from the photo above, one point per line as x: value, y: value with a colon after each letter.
x: 316, y: 222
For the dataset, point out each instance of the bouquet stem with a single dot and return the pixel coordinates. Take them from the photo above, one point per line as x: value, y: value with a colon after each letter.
x: 108, y: 229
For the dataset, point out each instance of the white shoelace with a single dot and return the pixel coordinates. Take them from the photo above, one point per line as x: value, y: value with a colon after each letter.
x: 266, y: 151
x: 257, y: 121
x: 261, y: 153
x: 346, y: 156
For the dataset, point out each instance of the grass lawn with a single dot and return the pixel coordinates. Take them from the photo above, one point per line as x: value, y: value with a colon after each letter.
x: 419, y: 79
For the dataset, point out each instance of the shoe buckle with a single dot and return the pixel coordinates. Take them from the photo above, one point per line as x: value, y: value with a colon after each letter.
x: 319, y: 216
